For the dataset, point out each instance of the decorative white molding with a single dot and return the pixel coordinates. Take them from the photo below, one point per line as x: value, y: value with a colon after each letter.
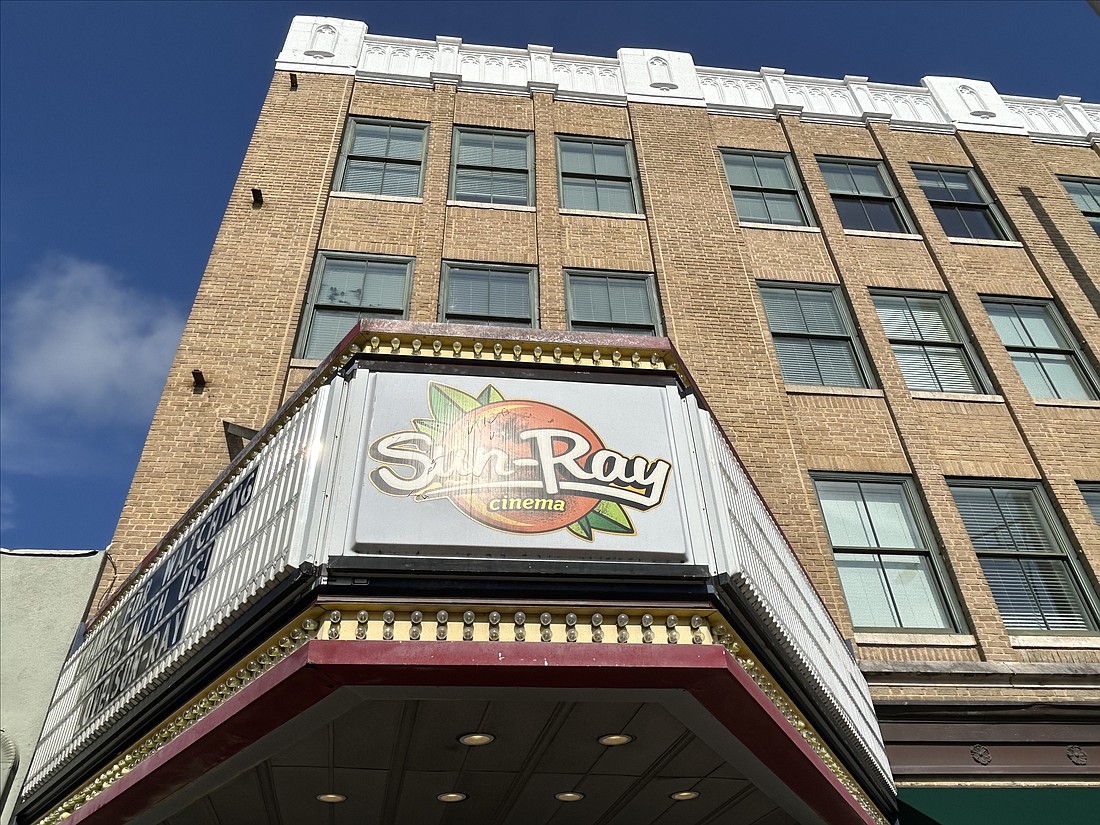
x: 940, y: 104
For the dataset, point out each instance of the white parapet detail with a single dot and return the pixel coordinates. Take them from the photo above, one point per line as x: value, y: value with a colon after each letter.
x: 939, y: 104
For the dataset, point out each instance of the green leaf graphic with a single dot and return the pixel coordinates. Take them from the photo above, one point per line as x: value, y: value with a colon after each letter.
x: 429, y: 426
x: 489, y: 395
x: 581, y: 528
x: 610, y: 517
x: 448, y: 404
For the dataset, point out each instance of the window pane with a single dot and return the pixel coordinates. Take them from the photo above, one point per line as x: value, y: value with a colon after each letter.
x: 1086, y: 200
x: 1035, y: 594
x: 782, y: 310
x: 468, y: 292
x: 363, y: 176
x: 852, y: 215
x: 774, y: 173
x: 473, y: 185
x: 385, y: 285
x: 580, y: 194
x: 1064, y: 376
x: 475, y: 149
x: 741, y: 171
x: 615, y: 196
x: 797, y: 362
x: 897, y: 318
x: 868, y: 180
x: 590, y: 301
x: 916, y: 367
x: 951, y: 221
x: 890, y: 515
x: 952, y: 369
x: 577, y: 157
x: 820, y: 312
x: 865, y: 589
x: 510, y: 187
x: 836, y: 361
x: 405, y: 143
x: 846, y: 517
x: 327, y: 330
x: 784, y: 209
x: 750, y: 207
x: 883, y: 216
x: 932, y: 184
x: 915, y: 593
x: 629, y: 299
x: 342, y: 282
x: 1091, y: 494
x: 401, y: 179
x: 1041, y: 330
x: 960, y: 188
x: 370, y: 139
x: 979, y: 223
x: 1008, y: 325
x: 610, y: 159
x: 510, y: 151
x: 1033, y: 375
x: 929, y: 318
x: 510, y: 295
x: 838, y: 178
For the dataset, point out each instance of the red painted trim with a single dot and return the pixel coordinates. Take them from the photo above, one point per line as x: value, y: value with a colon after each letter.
x: 317, y: 669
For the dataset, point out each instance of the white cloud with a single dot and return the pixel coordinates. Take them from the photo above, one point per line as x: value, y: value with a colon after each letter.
x: 84, y: 352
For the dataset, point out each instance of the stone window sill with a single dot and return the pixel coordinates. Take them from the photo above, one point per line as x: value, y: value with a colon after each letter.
x: 986, y: 242
x: 902, y: 639
x: 811, y: 389
x: 506, y: 207
x: 622, y: 216
x: 977, y: 398
x: 1076, y: 642
x: 1067, y: 402
x: 898, y: 236
x: 780, y: 227
x: 366, y: 196
x: 304, y: 363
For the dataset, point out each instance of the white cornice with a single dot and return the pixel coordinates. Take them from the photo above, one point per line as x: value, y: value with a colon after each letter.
x: 939, y: 104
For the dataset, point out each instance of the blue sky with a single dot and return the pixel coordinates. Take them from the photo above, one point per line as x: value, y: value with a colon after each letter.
x: 123, y: 125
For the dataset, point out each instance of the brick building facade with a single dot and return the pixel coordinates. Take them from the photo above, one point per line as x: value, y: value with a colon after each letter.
x: 887, y: 297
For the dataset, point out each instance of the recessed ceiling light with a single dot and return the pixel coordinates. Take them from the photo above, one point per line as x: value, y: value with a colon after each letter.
x: 331, y: 797
x: 475, y: 739
x: 612, y: 739
x: 569, y: 796
x: 681, y: 796
x: 453, y: 796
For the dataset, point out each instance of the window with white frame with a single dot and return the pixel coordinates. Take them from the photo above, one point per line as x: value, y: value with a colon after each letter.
x: 382, y: 158
x: 346, y: 288
x: 491, y: 167
x: 1036, y: 337
x: 598, y: 175
x: 928, y: 341
x: 612, y: 302
x: 963, y: 205
x: 1025, y: 556
x: 864, y: 196
x: 813, y: 335
x: 887, y: 563
x: 488, y: 294
x: 1086, y: 195
x: 765, y: 188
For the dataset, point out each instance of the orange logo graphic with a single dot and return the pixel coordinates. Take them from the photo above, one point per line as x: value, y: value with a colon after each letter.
x: 516, y: 465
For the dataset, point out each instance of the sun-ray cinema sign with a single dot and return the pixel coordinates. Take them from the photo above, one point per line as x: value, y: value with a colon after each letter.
x: 497, y: 463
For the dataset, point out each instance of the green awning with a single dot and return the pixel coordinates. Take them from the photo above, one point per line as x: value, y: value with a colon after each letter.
x: 999, y: 806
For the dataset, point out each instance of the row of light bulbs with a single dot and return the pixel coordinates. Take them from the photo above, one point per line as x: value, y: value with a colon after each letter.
x: 474, y: 740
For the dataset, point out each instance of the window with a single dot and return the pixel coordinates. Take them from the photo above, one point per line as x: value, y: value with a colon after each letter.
x: 813, y: 336
x: 1023, y: 555
x: 1086, y: 194
x: 864, y: 197
x: 1090, y: 491
x: 1044, y: 354
x: 598, y: 176
x: 487, y: 294
x: 491, y: 167
x: 927, y: 341
x: 612, y: 302
x: 885, y: 559
x: 347, y: 288
x: 765, y: 188
x: 962, y: 204
x: 382, y: 158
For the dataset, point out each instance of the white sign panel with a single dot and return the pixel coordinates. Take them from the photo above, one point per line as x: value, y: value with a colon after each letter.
x: 491, y: 466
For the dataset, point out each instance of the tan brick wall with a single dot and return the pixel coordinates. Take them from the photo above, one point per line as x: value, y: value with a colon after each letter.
x: 242, y: 329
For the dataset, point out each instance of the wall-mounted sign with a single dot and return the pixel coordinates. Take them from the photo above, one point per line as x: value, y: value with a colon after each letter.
x: 517, y: 466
